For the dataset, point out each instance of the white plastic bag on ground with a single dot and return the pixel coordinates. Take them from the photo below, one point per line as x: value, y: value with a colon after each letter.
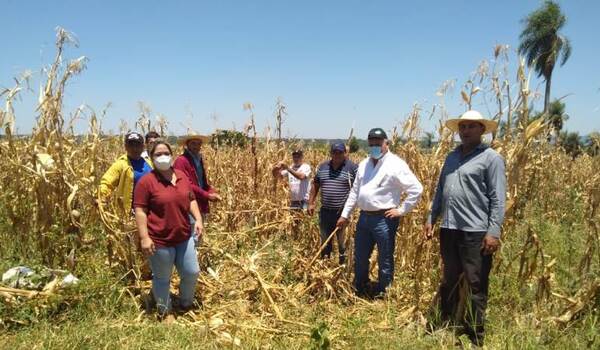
x: 13, y: 275
x: 69, y: 280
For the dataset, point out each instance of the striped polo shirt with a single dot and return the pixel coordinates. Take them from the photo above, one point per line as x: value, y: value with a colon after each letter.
x: 335, y: 184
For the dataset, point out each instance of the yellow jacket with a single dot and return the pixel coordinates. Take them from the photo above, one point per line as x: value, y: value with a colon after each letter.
x: 120, y: 177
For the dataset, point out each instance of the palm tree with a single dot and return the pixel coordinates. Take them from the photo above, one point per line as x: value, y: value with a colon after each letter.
x: 593, y: 144
x: 557, y: 115
x: 571, y: 143
x: 542, y: 45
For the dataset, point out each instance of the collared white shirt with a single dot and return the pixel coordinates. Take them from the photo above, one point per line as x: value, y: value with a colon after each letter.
x: 381, y: 186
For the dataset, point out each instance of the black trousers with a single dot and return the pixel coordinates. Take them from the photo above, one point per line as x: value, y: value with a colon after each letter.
x: 461, y: 254
x: 327, y: 220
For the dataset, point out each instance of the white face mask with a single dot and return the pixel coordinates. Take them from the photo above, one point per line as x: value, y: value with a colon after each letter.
x: 162, y: 162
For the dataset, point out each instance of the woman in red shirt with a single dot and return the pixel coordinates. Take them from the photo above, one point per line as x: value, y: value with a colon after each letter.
x: 163, y: 201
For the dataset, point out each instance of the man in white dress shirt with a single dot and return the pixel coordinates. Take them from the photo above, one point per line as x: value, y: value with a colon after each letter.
x: 380, y: 182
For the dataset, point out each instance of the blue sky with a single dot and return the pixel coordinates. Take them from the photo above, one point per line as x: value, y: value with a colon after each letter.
x: 336, y: 64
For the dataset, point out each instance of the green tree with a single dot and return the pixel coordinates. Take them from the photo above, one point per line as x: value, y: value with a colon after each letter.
x: 592, y: 146
x: 427, y: 140
x: 354, y: 145
x: 571, y: 143
x: 542, y: 44
x: 557, y: 115
x: 229, y: 138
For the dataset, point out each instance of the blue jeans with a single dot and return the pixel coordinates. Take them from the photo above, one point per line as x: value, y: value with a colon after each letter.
x: 192, y: 223
x: 184, y: 257
x: 371, y: 230
x: 327, y: 220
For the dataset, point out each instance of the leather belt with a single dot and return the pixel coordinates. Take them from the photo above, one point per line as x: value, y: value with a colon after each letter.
x: 374, y: 212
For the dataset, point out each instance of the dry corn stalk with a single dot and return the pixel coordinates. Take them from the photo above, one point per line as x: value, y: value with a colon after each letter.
x: 47, y: 199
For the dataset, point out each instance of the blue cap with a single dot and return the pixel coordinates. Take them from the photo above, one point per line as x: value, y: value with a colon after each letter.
x: 338, y: 146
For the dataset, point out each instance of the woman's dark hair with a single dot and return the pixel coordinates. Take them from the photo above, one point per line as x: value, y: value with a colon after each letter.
x: 160, y: 142
x: 152, y: 135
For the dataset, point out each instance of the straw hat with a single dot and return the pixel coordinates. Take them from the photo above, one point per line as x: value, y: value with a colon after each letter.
x: 490, y: 125
x: 185, y: 139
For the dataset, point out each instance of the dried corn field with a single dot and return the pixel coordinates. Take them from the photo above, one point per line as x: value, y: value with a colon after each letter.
x: 262, y: 285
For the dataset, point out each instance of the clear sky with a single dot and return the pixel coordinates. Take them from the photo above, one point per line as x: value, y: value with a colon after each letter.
x: 336, y: 64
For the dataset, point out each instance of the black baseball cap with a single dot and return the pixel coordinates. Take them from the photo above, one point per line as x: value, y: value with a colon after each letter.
x: 134, y: 137
x: 297, y: 152
x: 377, y: 133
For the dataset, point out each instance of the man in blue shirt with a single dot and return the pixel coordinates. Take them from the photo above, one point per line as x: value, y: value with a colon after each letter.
x: 334, y: 178
x: 470, y: 200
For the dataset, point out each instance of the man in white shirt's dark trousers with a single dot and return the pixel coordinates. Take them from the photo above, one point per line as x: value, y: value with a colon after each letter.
x: 381, y: 181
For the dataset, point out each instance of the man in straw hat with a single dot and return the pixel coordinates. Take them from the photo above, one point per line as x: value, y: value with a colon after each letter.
x: 469, y: 199
x: 192, y: 164
x: 382, y: 180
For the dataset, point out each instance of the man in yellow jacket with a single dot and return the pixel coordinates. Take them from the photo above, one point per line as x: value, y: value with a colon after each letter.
x: 124, y: 173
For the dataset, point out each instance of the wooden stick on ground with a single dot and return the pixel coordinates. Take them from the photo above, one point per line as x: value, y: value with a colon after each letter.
x: 265, y: 289
x: 321, y: 249
x: 23, y: 292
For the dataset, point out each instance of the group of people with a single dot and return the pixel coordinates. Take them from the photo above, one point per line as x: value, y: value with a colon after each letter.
x: 170, y: 202
x: 169, y: 199
x: 469, y: 201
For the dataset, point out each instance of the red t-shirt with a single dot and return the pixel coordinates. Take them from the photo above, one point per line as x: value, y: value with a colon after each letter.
x: 168, y: 207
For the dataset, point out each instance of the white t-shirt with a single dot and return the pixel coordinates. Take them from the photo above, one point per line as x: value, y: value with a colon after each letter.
x: 299, y: 189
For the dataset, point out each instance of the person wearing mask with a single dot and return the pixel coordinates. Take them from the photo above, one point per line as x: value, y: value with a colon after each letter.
x: 163, y: 202
x: 382, y: 180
